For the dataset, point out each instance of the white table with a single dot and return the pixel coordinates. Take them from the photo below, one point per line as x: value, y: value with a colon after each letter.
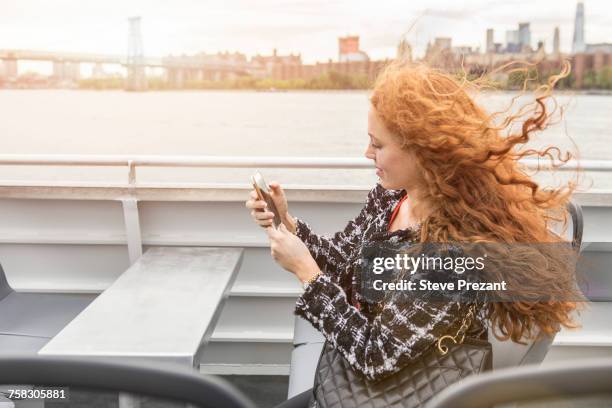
x: 163, y: 308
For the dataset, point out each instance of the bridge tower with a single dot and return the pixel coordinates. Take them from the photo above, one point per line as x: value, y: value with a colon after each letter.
x: 136, y: 76
x: 10, y: 69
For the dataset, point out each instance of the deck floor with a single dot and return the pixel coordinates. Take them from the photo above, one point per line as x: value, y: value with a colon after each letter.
x: 265, y: 390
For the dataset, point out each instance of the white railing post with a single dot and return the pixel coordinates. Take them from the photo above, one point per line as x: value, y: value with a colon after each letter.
x: 132, y: 228
x: 131, y: 174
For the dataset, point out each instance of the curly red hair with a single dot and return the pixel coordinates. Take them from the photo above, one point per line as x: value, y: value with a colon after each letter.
x: 471, y: 170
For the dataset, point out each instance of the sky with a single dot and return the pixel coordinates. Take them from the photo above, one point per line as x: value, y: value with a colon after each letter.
x: 309, y: 27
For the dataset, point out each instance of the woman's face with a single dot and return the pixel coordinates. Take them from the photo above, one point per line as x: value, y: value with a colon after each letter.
x: 396, y: 167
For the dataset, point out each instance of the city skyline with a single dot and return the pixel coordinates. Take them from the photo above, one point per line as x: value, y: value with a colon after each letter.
x: 307, y: 27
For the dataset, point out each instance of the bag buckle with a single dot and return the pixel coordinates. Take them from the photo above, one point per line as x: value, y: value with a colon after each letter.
x: 460, y: 335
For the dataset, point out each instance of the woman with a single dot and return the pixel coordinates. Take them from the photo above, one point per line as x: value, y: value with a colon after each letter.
x: 446, y: 174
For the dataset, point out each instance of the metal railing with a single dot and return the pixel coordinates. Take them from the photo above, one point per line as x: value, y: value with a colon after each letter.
x: 132, y: 162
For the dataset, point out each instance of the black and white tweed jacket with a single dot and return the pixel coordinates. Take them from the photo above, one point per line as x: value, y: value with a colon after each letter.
x: 376, y: 340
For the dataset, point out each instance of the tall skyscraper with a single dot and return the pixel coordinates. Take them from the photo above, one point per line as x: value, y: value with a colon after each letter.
x: 490, y: 42
x: 524, y: 33
x: 578, y: 44
x: 556, y: 41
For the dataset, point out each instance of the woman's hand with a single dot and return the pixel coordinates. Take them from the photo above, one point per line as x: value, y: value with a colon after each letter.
x: 259, y: 210
x: 290, y: 252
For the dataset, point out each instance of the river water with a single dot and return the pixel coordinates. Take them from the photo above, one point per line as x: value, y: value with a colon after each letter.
x: 241, y: 123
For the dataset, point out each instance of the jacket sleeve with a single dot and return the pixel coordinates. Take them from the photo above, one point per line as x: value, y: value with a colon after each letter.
x: 394, y: 338
x: 329, y: 251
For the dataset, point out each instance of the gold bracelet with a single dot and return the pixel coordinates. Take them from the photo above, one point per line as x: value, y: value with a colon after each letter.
x: 310, y: 280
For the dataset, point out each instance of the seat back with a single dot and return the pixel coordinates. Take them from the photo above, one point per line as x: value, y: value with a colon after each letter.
x: 511, y: 354
x: 568, y: 383
x: 577, y: 224
x: 129, y: 381
x: 5, y: 288
x: 307, y: 345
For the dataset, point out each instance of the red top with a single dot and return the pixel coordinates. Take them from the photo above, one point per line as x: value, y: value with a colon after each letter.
x: 396, y: 209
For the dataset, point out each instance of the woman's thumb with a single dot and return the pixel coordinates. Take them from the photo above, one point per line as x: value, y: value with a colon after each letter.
x: 276, y: 188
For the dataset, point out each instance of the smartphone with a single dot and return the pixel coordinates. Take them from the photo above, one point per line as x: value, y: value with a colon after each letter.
x: 261, y: 187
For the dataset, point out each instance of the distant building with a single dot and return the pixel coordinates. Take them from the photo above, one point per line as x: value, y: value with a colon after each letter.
x: 443, y: 43
x: 404, y: 51
x: 517, y: 41
x: 524, y: 37
x: 556, y: 42
x: 440, y: 46
x: 440, y: 53
x: 269, y: 61
x: 348, y: 50
x: 512, y: 41
x: 202, y: 58
x: 578, y: 44
x: 490, y: 42
x: 605, y: 48
x: 203, y: 67
x: 66, y: 71
x: 540, y: 52
x: 348, y: 45
x: 589, y: 63
x: 278, y: 66
x: 461, y: 51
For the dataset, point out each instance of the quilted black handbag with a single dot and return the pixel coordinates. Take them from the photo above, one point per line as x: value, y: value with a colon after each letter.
x: 338, y: 386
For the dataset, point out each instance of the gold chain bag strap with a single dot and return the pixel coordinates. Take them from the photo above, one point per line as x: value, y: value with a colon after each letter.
x: 453, y: 358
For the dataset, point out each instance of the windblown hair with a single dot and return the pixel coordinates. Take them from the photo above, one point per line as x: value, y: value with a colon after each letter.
x: 481, y: 192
